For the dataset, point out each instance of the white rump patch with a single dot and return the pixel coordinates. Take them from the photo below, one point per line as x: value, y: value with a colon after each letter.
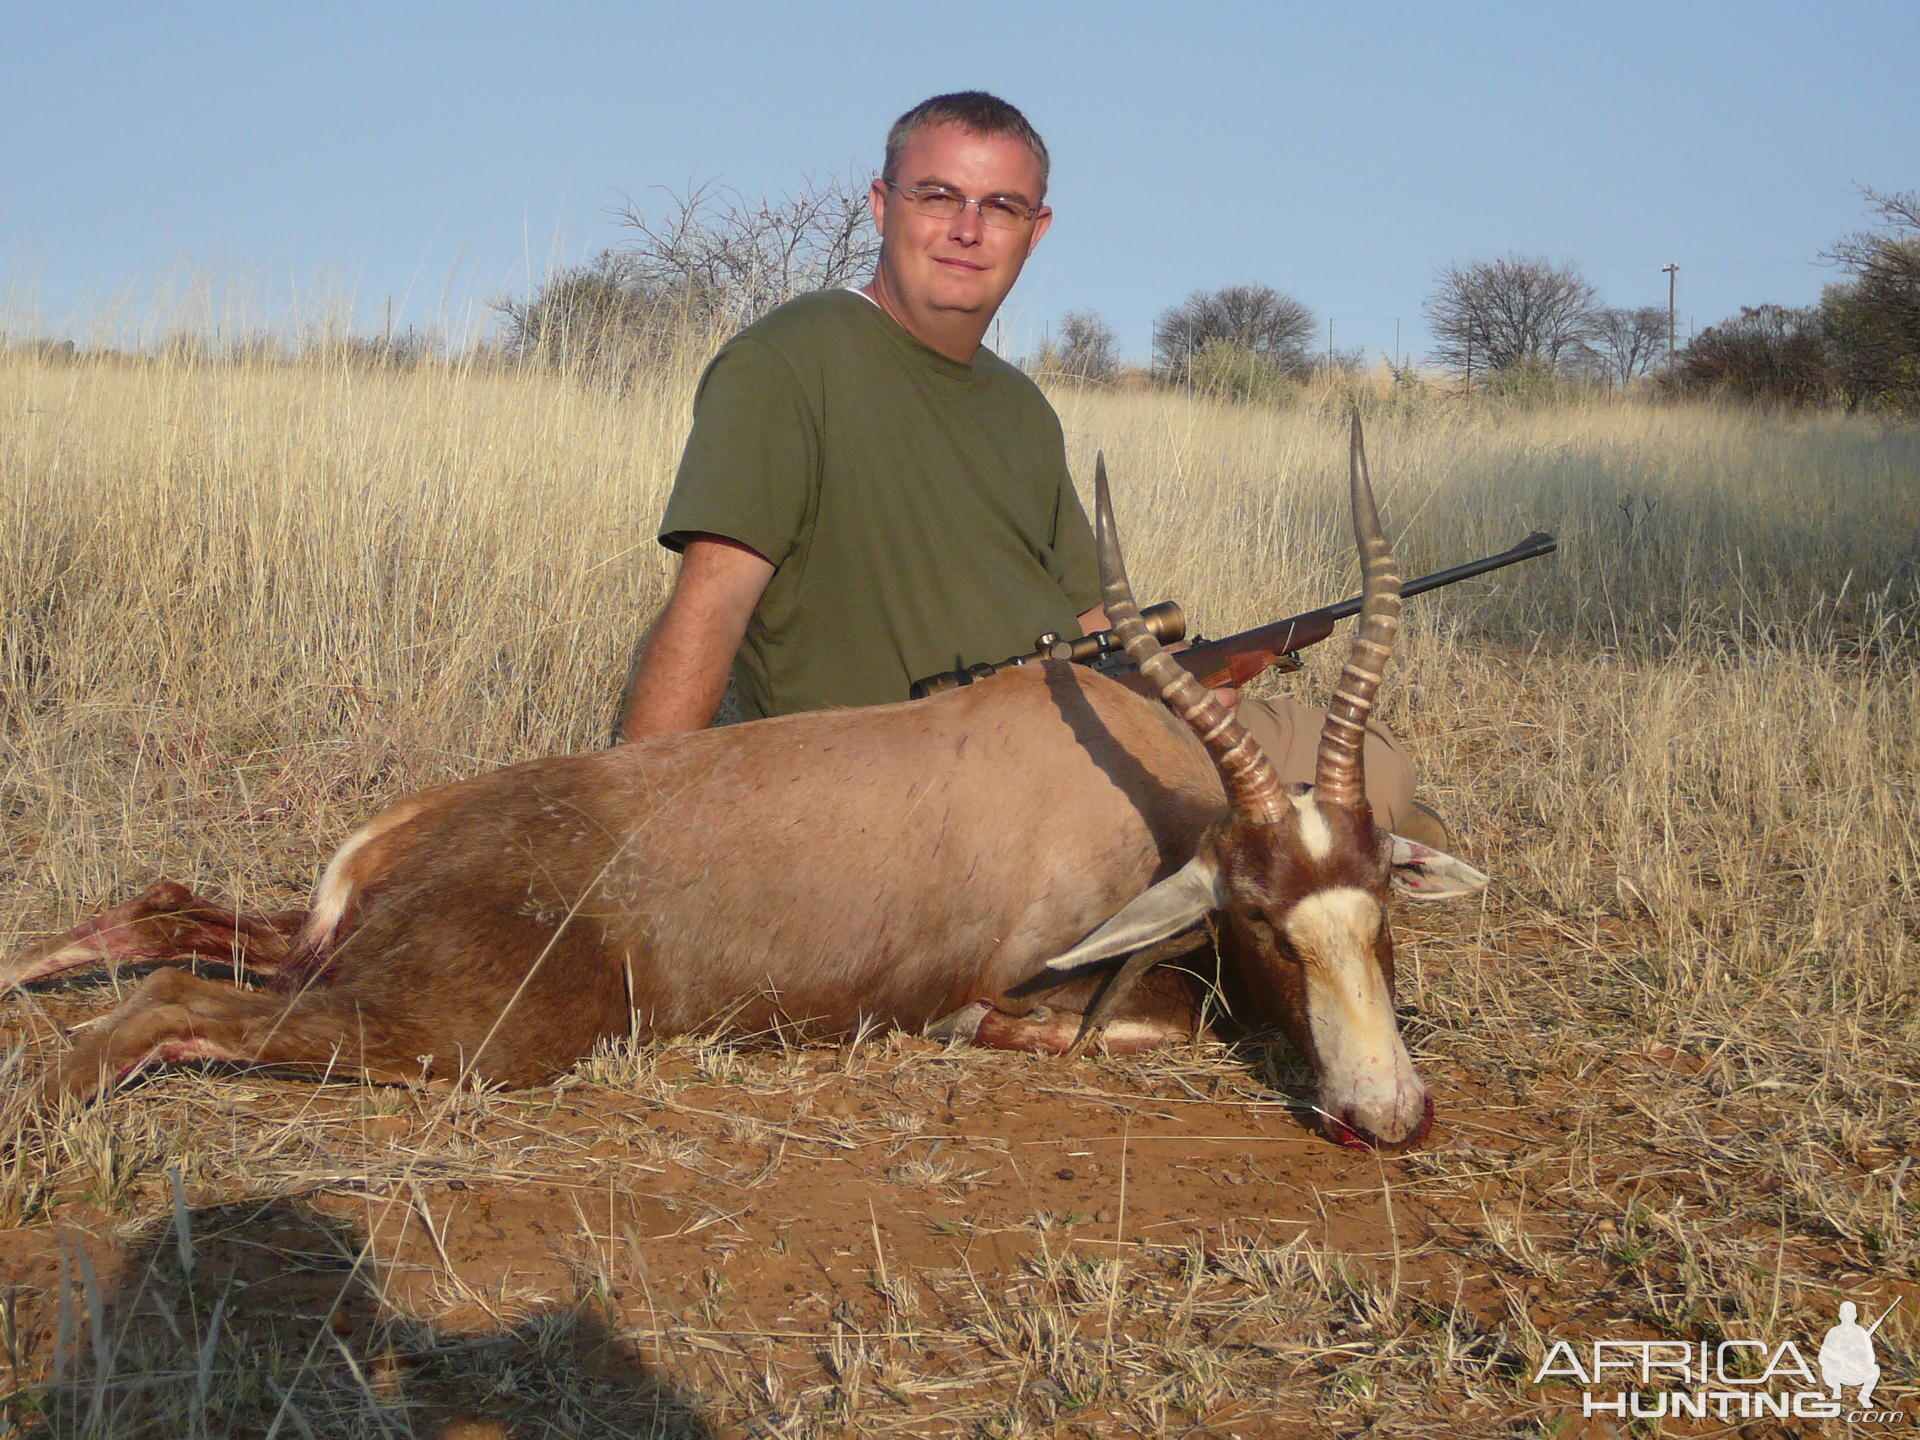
x: 335, y: 889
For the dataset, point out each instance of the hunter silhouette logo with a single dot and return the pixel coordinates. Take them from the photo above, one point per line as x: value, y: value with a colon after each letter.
x: 1732, y: 1379
x: 1846, y: 1354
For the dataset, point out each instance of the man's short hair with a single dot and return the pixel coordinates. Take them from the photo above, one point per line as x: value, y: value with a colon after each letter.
x: 972, y: 110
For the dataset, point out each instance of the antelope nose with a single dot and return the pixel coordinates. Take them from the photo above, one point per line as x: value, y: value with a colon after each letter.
x: 1381, y: 1132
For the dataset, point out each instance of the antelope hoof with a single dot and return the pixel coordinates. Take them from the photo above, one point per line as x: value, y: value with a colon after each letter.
x: 961, y: 1026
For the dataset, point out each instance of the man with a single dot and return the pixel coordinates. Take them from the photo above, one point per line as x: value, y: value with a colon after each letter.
x: 868, y: 495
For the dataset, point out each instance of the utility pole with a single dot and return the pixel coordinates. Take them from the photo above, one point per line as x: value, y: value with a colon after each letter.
x: 1396, y: 344
x: 1672, y: 272
x: 1329, y: 344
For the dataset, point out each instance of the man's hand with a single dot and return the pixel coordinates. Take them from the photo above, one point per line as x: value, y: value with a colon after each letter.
x: 681, y: 676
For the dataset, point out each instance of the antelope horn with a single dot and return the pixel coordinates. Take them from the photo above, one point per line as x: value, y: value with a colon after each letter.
x: 1339, y: 770
x: 1253, y: 789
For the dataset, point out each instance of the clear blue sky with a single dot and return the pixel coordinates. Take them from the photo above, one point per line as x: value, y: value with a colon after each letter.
x: 448, y: 153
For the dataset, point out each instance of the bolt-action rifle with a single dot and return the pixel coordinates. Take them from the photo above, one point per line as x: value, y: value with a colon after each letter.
x: 1236, y: 659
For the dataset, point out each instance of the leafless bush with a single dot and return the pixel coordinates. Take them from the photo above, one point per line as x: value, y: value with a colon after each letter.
x: 1086, y: 349
x: 711, y: 259
x: 1257, y: 319
x: 735, y: 257
x: 1625, y: 344
x: 1518, y: 310
x: 598, y: 317
x: 1873, y: 321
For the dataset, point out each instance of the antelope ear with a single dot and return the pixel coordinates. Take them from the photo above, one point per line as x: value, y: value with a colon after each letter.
x: 1422, y: 873
x: 1177, y: 903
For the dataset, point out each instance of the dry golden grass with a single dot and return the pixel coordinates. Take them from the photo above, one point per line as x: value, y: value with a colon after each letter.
x: 1677, y: 1049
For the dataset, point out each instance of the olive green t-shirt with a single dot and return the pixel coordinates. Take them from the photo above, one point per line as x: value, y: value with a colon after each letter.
x: 917, y: 511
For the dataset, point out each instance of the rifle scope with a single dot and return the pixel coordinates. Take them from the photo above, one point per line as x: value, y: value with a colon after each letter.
x: 1165, y: 621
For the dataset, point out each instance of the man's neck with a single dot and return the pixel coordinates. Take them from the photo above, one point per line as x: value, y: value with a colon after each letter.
x: 953, y: 334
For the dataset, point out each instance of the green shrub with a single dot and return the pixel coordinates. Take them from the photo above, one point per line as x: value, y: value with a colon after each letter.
x: 1223, y: 370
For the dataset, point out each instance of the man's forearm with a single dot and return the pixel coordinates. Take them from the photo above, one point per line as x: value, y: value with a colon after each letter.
x: 677, y: 685
x: 682, y: 675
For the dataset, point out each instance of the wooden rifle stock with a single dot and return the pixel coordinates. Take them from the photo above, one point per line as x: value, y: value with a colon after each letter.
x: 1238, y: 659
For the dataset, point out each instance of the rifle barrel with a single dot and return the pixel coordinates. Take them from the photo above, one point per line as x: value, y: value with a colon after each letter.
x: 1214, y: 660
x: 1538, y: 543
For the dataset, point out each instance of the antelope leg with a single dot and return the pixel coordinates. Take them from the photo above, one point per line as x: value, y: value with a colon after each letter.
x: 176, y: 1016
x: 166, y: 922
x: 1134, y: 1018
x: 1121, y: 983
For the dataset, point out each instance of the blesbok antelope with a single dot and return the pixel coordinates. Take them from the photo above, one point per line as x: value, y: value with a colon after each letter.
x: 928, y: 865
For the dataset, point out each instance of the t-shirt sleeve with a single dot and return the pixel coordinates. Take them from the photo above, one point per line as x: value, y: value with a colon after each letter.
x: 1073, y: 560
x: 751, y: 462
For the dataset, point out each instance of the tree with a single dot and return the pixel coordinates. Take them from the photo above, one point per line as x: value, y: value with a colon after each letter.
x: 1873, y: 321
x: 596, y: 317
x: 1773, y: 354
x: 1624, y: 344
x: 740, y: 257
x: 1256, y: 318
x: 1519, y: 310
x: 1085, y: 349
x: 713, y: 259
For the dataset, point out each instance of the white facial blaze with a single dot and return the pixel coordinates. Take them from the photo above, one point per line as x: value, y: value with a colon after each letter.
x: 1315, y: 838
x: 1365, y: 1072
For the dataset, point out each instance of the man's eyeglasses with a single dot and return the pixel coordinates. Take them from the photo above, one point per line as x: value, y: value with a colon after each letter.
x: 938, y: 203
